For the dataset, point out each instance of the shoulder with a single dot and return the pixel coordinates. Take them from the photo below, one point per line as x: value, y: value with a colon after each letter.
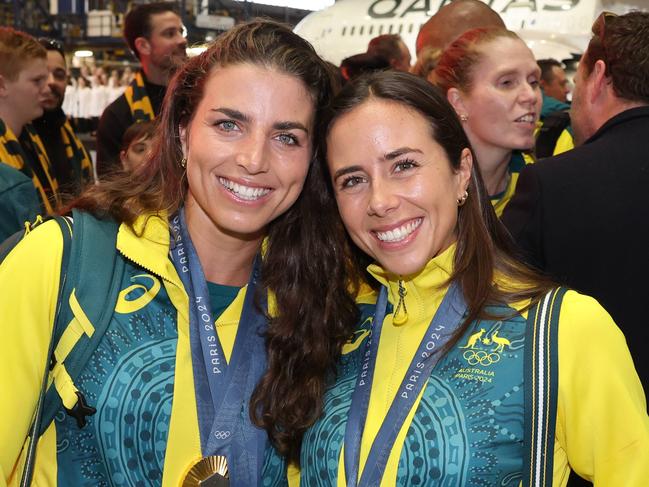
x: 11, y: 177
x: 118, y: 109
x: 34, y: 261
x: 589, y: 340
x: 582, y: 316
x: 43, y: 243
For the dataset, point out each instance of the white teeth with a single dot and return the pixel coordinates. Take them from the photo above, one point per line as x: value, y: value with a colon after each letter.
x: 244, y: 192
x: 400, y: 233
x: 526, y: 118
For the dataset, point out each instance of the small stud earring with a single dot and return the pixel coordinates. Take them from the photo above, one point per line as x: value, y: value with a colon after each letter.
x: 464, y: 118
x: 183, y: 162
x: 462, y: 199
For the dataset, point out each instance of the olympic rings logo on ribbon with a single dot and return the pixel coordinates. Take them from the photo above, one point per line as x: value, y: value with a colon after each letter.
x: 481, y: 357
x: 222, y: 435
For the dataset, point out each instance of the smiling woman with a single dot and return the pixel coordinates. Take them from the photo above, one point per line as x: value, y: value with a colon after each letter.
x: 248, y: 148
x: 232, y: 166
x: 474, y: 370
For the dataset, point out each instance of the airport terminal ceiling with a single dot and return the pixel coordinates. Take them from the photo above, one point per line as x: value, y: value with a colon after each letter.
x: 552, y: 28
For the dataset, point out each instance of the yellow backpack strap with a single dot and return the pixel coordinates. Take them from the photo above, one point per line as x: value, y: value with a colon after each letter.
x: 36, y: 429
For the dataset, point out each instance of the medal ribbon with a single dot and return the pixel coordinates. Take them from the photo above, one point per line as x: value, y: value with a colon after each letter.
x: 223, y: 389
x: 441, y: 328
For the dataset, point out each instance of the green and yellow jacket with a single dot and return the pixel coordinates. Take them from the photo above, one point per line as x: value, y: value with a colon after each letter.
x: 466, y: 426
x: 145, y: 430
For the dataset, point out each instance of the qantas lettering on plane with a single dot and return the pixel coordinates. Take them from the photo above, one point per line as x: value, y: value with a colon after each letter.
x: 388, y: 9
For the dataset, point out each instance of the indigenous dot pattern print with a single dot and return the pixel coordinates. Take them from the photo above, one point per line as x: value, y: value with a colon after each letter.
x: 131, y: 375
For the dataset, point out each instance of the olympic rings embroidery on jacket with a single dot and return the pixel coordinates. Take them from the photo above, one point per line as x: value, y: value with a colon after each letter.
x: 474, y: 357
x: 222, y: 435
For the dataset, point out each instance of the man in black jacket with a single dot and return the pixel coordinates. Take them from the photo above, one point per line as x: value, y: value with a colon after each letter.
x: 71, y: 163
x: 583, y: 216
x: 155, y: 34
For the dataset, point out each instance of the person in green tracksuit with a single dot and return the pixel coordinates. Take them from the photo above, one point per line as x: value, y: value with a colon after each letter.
x: 217, y: 239
x: 18, y: 201
x: 23, y: 88
x: 472, y: 370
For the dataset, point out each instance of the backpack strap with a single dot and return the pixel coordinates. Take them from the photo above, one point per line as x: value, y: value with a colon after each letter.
x: 35, y: 430
x: 551, y: 129
x: 89, y: 295
x: 541, y: 387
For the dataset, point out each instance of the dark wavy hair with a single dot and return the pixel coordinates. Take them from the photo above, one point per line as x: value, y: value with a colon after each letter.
x: 303, y: 264
x: 486, y: 263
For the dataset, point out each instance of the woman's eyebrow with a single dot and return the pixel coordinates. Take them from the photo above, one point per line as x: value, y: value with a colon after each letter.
x: 399, y: 152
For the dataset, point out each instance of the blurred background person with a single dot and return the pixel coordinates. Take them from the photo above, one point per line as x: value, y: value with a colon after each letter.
x: 359, y: 64
x: 136, y: 144
x: 392, y: 48
x: 491, y: 78
x: 554, y: 82
x: 426, y: 61
x: 23, y: 90
x: 70, y: 161
x: 452, y: 20
x: 154, y: 33
x: 555, y: 133
x: 582, y: 216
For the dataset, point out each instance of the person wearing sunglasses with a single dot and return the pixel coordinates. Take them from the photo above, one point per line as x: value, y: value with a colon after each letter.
x: 70, y: 160
x: 582, y: 216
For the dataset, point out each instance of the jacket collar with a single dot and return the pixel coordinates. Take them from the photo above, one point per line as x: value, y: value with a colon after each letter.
x: 424, y: 289
x: 620, y: 118
x: 147, y: 245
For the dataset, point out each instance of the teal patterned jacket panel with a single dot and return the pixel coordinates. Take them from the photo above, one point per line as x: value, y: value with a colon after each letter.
x: 468, y: 427
x: 131, y: 375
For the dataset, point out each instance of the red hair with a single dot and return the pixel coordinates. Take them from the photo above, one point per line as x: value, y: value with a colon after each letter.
x: 458, y: 61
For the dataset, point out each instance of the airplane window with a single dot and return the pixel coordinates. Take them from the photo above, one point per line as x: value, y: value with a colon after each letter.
x: 371, y: 30
x: 344, y: 29
x: 390, y: 29
x: 360, y: 30
x: 380, y: 29
x: 351, y: 31
x: 400, y: 29
x: 410, y: 27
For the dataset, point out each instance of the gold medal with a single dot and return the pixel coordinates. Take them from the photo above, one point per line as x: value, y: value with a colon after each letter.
x: 208, y: 472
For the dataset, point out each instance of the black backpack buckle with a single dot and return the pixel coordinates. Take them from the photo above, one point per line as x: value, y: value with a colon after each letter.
x: 80, y: 410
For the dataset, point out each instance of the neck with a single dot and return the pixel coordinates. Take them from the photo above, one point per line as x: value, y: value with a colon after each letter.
x: 226, y: 259
x: 494, y: 164
x: 14, y: 123
x: 154, y: 74
x: 615, y: 107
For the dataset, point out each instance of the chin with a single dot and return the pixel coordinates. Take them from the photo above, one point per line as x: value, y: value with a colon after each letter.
x: 401, y: 268
x: 524, y: 144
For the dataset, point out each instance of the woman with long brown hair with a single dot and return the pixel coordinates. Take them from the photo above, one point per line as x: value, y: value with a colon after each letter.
x: 474, y: 370
x: 214, y: 236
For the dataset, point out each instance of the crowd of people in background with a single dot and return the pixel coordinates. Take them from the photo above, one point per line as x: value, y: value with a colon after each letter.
x: 410, y: 269
x: 88, y: 94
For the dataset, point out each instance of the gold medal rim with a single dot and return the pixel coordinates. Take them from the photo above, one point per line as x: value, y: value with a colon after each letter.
x: 193, y: 475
